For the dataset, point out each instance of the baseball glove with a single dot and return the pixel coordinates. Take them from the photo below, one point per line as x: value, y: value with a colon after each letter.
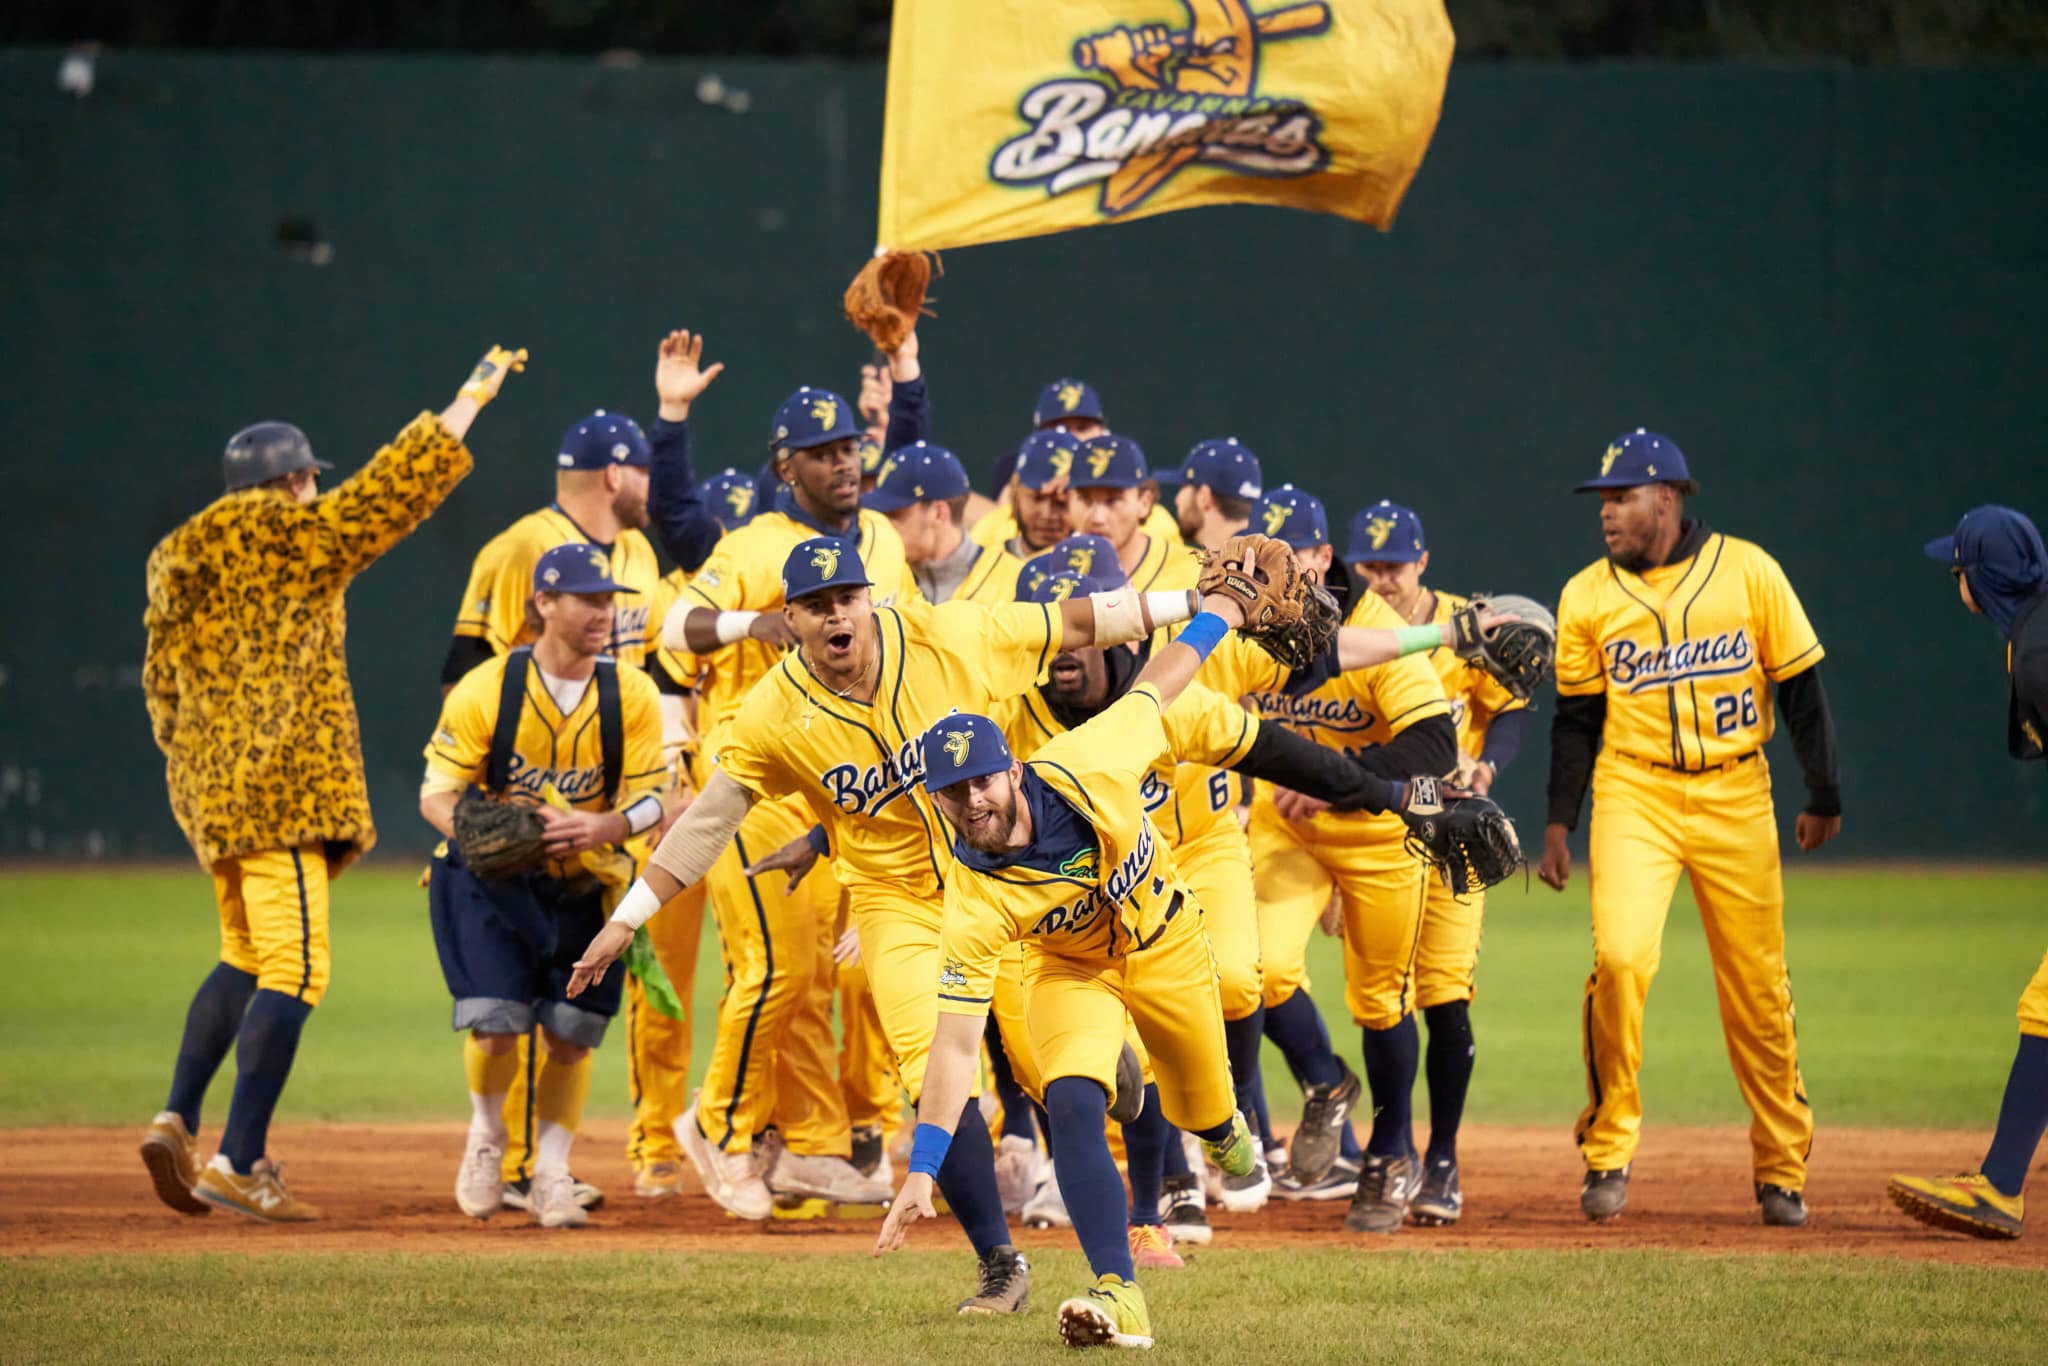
x: 1262, y: 577
x: 887, y: 297
x: 1470, y: 841
x: 1519, y: 652
x: 499, y: 839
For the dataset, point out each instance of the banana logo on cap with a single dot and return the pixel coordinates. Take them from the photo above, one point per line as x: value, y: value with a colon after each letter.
x: 826, y: 411
x: 1276, y: 517
x: 825, y: 559
x: 739, y: 498
x: 1070, y: 396
x: 1098, y: 461
x: 1378, y: 530
x: 1607, y: 460
x: 957, y: 742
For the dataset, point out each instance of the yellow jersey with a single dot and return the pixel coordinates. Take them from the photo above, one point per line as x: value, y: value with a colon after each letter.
x: 744, y: 574
x: 501, y: 580
x: 1684, y: 652
x: 1346, y: 711
x: 991, y: 579
x: 1475, y: 695
x: 1098, y: 880
x: 998, y: 528
x: 859, y: 764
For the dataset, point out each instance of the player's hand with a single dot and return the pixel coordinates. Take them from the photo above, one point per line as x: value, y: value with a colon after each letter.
x: 1556, y: 868
x: 1813, y: 831
x: 488, y: 378
x: 1229, y: 608
x: 601, y: 953
x: 578, y: 832
x: 1297, y: 806
x: 771, y: 628
x: 913, y: 1202
x: 680, y: 378
x: 795, y: 858
x: 1332, y: 919
x: 847, y: 950
x: 875, y: 391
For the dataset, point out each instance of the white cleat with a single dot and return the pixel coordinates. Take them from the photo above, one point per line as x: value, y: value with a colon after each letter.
x: 732, y: 1180
x: 554, y: 1201
x: 1247, y: 1194
x: 479, y: 1189
x: 1017, y: 1172
x: 817, y: 1176
x: 1047, y: 1209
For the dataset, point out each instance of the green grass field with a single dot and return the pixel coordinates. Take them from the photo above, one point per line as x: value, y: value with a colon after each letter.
x: 1905, y: 980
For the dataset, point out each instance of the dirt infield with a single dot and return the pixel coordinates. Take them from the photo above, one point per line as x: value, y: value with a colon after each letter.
x: 388, y: 1188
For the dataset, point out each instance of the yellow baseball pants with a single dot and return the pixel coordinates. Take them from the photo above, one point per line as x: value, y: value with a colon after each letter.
x: 273, y: 919
x: 2034, y: 1003
x: 1720, y: 829
x: 1217, y: 868
x: 1447, y: 951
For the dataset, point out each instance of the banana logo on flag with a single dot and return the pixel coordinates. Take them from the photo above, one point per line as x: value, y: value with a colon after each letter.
x: 1171, y: 97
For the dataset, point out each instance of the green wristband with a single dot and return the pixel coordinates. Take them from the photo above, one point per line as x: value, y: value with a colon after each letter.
x: 1410, y: 640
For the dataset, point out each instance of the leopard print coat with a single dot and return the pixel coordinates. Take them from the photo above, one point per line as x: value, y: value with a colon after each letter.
x: 246, y: 677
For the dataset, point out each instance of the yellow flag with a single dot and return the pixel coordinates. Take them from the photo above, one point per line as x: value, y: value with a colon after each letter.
x: 1014, y: 119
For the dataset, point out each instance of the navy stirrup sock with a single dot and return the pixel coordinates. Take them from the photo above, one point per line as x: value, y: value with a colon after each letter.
x: 1447, y: 1062
x: 2021, y: 1118
x: 1390, y: 1061
x: 1147, y: 1140
x: 211, y: 1023
x: 264, y: 1049
x: 1087, y: 1174
x: 967, y: 1178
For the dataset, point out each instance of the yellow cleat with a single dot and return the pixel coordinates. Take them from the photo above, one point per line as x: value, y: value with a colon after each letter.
x: 1111, y: 1314
x: 658, y: 1179
x: 1968, y: 1204
x: 260, y: 1194
x: 1236, y: 1155
x: 171, y: 1153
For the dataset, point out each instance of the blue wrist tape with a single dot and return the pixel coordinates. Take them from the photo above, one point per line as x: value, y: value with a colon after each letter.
x: 928, y: 1148
x: 1203, y: 633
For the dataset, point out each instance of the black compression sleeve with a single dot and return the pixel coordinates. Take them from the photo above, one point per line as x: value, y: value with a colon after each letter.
x: 1574, y: 739
x: 1504, y: 736
x: 1803, y: 705
x: 464, y: 654
x: 1280, y: 756
x: 1429, y: 746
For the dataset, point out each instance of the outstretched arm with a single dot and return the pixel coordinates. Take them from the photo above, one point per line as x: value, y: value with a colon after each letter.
x: 948, y: 1077
x: 1172, y: 667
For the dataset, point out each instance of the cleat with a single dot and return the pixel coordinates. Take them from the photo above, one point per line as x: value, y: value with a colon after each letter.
x: 1247, y: 1194
x: 1964, y: 1204
x: 1181, y: 1206
x: 732, y: 1180
x: 1439, y: 1201
x: 658, y: 1179
x: 1245, y: 1180
x: 1111, y: 1314
x: 478, y: 1191
x: 554, y: 1202
x: 1152, y: 1248
x: 1386, y: 1185
x: 1047, y: 1209
x: 1604, y: 1193
x: 171, y: 1152
x: 1325, y: 1110
x: 259, y: 1195
x: 1017, y: 1171
x: 519, y: 1194
x: 1339, y: 1183
x: 816, y: 1176
x: 1783, y: 1207
x: 1129, y: 1101
x: 870, y: 1157
x: 1005, y: 1284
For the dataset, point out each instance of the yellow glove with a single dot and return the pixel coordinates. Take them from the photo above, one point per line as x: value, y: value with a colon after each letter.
x: 489, y: 376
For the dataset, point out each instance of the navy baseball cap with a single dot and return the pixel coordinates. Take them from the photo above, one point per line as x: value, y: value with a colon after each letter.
x: 1039, y: 581
x: 1292, y: 515
x: 604, y: 439
x: 1640, y: 457
x: 576, y: 567
x: 1223, y: 464
x: 1046, y: 460
x: 1385, y: 533
x: 870, y: 447
x: 812, y: 417
x: 1090, y: 556
x: 1064, y: 398
x: 732, y: 498
x: 917, y: 473
x: 819, y: 563
x: 1109, y: 461
x: 961, y: 747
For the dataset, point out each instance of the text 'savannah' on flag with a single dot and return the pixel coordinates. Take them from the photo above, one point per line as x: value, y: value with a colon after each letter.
x: 1014, y: 119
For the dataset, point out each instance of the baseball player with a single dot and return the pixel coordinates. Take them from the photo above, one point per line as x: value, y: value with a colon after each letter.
x: 1109, y: 497
x: 2001, y: 572
x: 1393, y: 714
x: 839, y: 722
x: 562, y: 726
x: 773, y: 1057
x: 611, y: 480
x: 923, y: 492
x: 1032, y: 516
x: 1219, y: 483
x: 246, y: 682
x: 1669, y: 651
x: 1388, y: 554
x: 1071, y: 406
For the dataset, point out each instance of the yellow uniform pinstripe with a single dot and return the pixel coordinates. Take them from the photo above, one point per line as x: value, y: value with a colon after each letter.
x: 1686, y: 654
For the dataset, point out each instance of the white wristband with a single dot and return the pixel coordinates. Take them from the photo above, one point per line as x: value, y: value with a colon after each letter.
x: 643, y: 815
x: 1168, y: 608
x: 638, y: 905
x: 734, y: 626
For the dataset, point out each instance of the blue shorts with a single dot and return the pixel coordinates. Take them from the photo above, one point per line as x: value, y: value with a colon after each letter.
x: 508, y: 947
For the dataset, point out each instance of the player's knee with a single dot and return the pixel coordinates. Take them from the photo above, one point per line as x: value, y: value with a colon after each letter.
x: 1076, y: 1101
x: 1620, y: 961
x: 1241, y: 988
x: 561, y: 1050
x: 496, y: 1045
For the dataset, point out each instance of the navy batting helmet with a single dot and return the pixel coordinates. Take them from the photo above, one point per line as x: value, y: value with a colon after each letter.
x: 266, y: 451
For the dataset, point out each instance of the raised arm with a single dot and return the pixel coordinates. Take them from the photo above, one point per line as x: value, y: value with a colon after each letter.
x: 686, y: 527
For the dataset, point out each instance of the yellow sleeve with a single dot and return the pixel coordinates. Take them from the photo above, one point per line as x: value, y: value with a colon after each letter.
x: 461, y: 744
x: 1205, y: 727
x: 640, y: 714
x: 1580, y: 671
x: 1238, y: 668
x: 1118, y: 745
x: 1407, y: 690
x: 1005, y: 647
x: 680, y: 666
x: 972, y: 938
x: 1786, y: 643
x: 734, y: 580
x: 494, y: 604
x: 748, y: 755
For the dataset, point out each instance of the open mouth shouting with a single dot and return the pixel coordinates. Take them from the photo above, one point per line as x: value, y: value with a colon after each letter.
x: 839, y: 646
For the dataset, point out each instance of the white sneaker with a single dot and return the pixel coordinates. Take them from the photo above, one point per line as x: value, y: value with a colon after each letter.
x: 1181, y: 1207
x: 823, y: 1177
x: 1247, y: 1194
x: 479, y: 1189
x: 1017, y: 1172
x: 736, y: 1186
x: 1047, y: 1209
x: 554, y: 1201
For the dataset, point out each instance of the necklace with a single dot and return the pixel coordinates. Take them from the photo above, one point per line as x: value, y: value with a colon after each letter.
x: 811, y: 712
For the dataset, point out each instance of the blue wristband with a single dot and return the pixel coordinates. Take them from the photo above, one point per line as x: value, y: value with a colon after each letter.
x: 928, y: 1148
x: 1203, y: 633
